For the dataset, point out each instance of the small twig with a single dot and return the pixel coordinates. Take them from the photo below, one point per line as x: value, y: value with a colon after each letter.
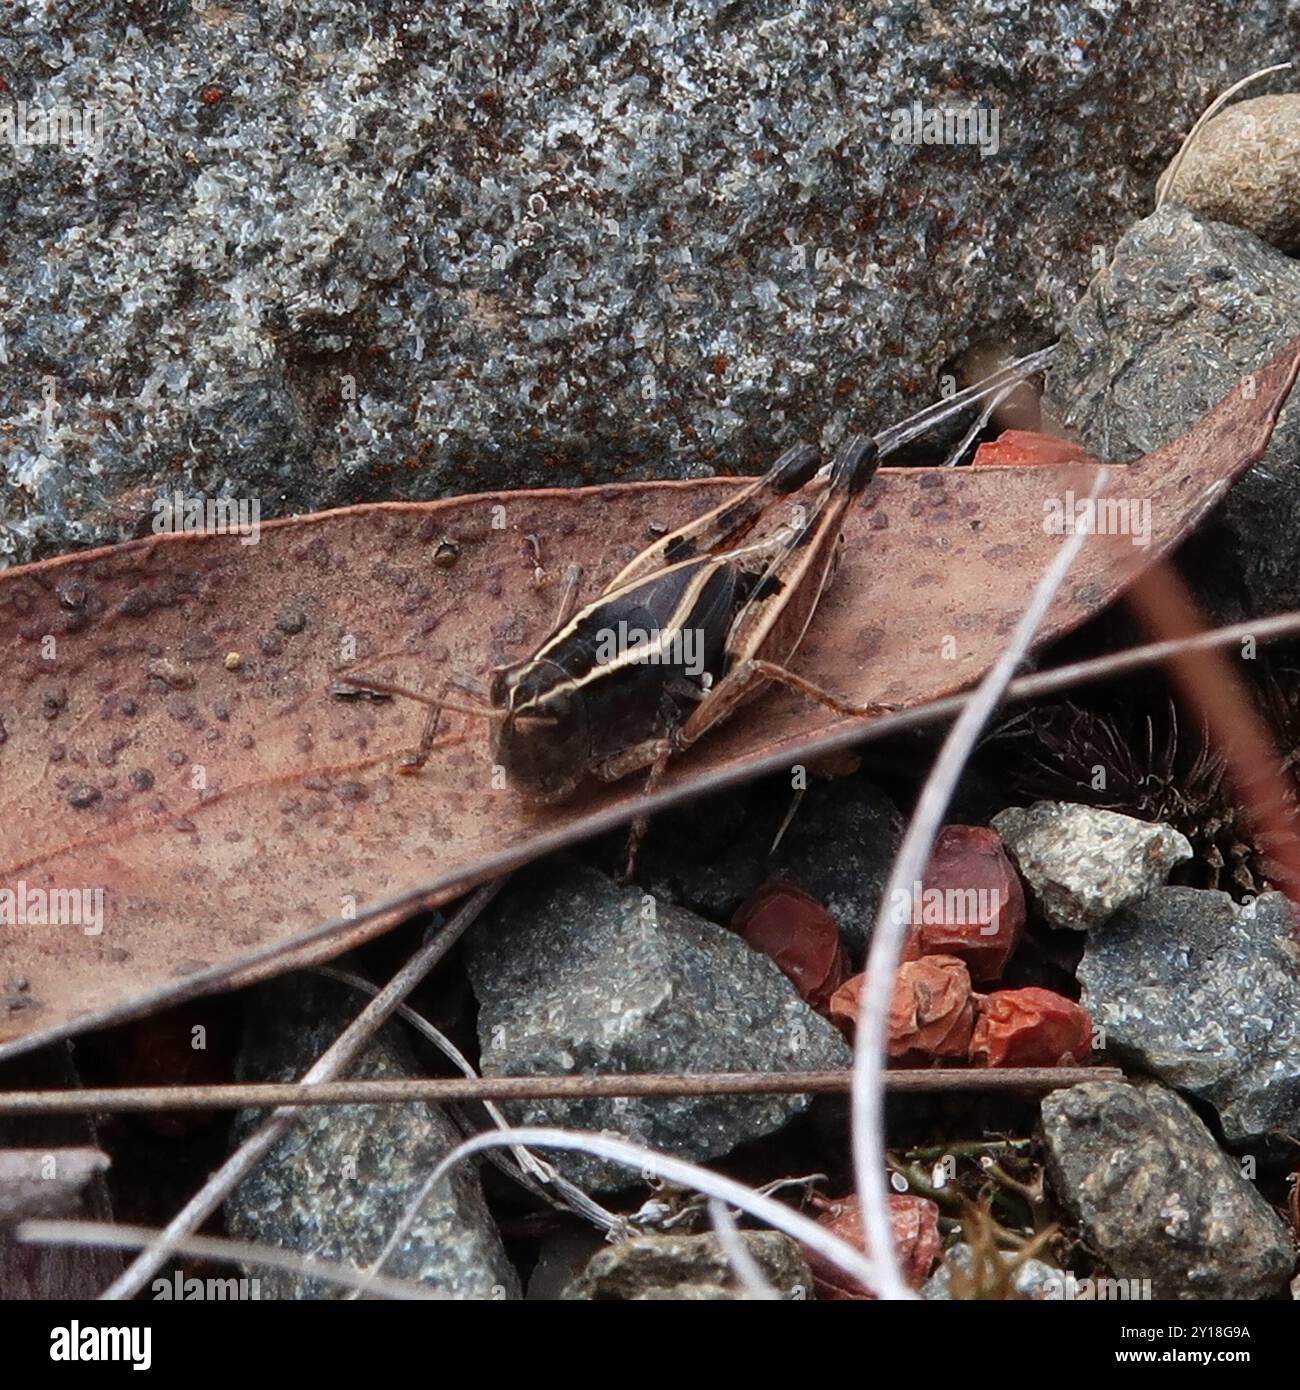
x: 966, y: 1148
x: 218, y: 1248
x: 977, y: 426
x: 536, y: 1174
x: 816, y: 1237
x: 593, y: 1086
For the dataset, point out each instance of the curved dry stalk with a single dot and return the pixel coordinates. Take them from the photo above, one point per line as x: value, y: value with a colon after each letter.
x: 868, y: 1093
x: 1020, y: 369
x: 219, y: 1248
x: 345, y: 1049
x: 956, y: 455
x: 743, y: 1265
x: 539, y: 1177
x: 685, y: 1174
x: 1166, y: 180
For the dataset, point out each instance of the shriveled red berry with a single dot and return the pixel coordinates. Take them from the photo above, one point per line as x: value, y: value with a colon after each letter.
x: 1030, y: 1027
x: 931, y: 1012
x: 799, y: 934
x: 970, y: 902
x: 917, y: 1243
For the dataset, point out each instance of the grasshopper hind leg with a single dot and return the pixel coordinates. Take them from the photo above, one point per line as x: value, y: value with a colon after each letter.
x: 726, y: 523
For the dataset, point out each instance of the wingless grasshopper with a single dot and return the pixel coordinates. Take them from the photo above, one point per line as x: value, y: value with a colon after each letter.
x: 719, y: 608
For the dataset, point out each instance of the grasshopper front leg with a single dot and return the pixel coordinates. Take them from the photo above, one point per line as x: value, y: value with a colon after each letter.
x: 653, y: 753
x: 737, y: 687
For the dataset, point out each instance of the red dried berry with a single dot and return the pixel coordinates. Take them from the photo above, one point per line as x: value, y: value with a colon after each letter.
x: 917, y: 1243
x: 1030, y: 1028
x: 799, y: 934
x: 1028, y: 447
x: 931, y: 1012
x: 970, y: 903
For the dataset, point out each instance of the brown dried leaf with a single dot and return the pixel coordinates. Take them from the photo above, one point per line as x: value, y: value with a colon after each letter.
x: 180, y: 747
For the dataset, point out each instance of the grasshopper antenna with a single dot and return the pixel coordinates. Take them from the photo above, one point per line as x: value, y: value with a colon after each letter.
x: 378, y: 687
x: 996, y: 384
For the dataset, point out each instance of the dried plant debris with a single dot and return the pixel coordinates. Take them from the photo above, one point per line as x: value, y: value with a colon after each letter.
x: 1157, y: 764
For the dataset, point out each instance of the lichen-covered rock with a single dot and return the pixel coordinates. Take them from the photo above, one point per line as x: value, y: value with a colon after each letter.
x: 1243, y: 167
x: 339, y: 1182
x: 1082, y: 864
x: 838, y: 847
x: 1185, y: 310
x: 1205, y: 994
x: 574, y: 974
x: 689, y: 1268
x: 1158, y: 1200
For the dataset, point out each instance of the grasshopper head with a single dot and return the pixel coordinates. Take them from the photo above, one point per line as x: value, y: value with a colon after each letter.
x: 543, y: 742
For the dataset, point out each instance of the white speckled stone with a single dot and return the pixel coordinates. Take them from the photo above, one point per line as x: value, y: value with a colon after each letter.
x: 1081, y: 864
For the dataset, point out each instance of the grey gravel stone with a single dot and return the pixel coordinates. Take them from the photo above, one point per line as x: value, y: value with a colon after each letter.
x: 336, y: 251
x: 689, y: 1268
x: 1033, y: 1279
x: 1243, y: 167
x: 574, y: 974
x: 1206, y: 995
x: 1186, y: 309
x: 1156, y: 1197
x: 839, y: 847
x: 710, y: 856
x: 1081, y: 864
x: 338, y: 1184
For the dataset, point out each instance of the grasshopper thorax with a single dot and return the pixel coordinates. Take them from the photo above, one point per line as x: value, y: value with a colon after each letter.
x: 542, y: 740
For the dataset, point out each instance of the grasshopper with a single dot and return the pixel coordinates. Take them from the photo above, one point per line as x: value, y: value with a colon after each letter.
x: 719, y: 607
